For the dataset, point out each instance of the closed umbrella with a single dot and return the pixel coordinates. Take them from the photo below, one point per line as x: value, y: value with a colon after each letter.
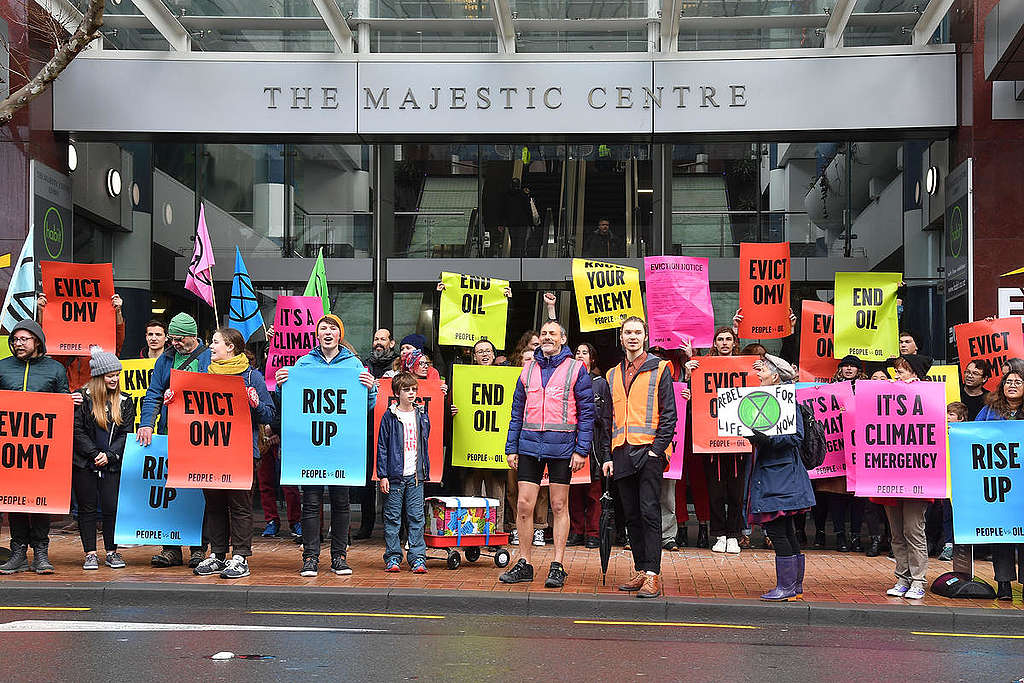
x: 606, y: 526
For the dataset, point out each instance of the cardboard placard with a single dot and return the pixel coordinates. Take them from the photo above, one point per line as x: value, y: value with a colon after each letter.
x: 473, y: 307
x: 991, y: 343
x: 866, y: 324
x: 294, y: 333
x: 323, y: 427
x: 428, y: 395
x: 764, y: 290
x: 713, y: 373
x: 606, y: 294
x: 987, y: 473
x: 679, y: 301
x: 483, y: 395
x: 78, y: 311
x: 817, y: 348
x: 209, y: 432
x: 36, y: 435
x: 148, y: 511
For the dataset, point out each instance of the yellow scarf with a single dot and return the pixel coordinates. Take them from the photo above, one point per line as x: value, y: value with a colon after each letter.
x: 235, y: 366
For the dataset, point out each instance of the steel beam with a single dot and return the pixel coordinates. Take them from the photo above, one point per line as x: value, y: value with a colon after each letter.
x: 336, y: 24
x: 166, y: 24
x: 930, y: 19
x: 504, y: 26
x: 837, y: 21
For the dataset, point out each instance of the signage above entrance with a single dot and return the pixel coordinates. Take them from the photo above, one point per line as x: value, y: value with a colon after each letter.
x: 489, y: 96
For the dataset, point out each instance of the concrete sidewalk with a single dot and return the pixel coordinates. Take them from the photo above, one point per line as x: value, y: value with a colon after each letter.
x: 840, y: 588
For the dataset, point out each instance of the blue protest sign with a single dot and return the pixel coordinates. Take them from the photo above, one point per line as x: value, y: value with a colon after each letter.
x: 985, y: 460
x: 148, y: 512
x: 323, y: 427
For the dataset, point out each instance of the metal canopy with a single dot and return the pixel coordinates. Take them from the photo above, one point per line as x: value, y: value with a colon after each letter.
x: 930, y: 20
x: 336, y: 24
x: 166, y: 23
x: 837, y: 21
x: 503, y: 26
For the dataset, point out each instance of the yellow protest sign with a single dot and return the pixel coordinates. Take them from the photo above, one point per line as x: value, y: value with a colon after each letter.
x: 865, y: 320
x: 135, y: 375
x: 483, y: 395
x: 606, y: 294
x: 473, y: 307
x: 947, y: 374
x: 5, y: 346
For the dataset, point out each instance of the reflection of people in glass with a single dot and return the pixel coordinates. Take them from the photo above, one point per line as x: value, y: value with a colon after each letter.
x: 516, y: 216
x: 602, y: 242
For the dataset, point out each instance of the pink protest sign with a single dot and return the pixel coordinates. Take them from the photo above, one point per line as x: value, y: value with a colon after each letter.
x: 675, y: 461
x: 901, y: 440
x: 832, y: 405
x: 294, y: 332
x: 679, y: 301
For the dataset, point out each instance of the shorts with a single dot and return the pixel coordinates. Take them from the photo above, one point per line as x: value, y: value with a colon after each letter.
x: 531, y: 469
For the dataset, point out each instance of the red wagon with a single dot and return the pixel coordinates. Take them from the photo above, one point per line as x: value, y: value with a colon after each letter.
x: 473, y: 544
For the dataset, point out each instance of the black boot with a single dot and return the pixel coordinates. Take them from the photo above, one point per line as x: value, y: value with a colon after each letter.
x: 874, y: 547
x: 855, y: 544
x: 702, y: 536
x: 841, y: 544
x: 18, y: 561
x: 819, y: 539
x: 801, y: 537
x: 681, y: 537
x: 574, y: 540
x: 5, y: 554
x: 1005, y: 591
x: 41, y: 558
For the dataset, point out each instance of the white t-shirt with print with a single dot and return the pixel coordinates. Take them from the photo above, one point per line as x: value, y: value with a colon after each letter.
x: 408, y: 420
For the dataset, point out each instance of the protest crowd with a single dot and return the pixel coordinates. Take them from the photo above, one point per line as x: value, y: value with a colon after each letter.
x: 527, y: 444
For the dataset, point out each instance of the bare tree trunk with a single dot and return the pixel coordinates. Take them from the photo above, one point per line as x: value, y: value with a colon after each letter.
x: 87, y: 31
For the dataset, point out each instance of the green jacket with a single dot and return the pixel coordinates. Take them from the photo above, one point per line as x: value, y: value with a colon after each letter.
x: 37, y: 374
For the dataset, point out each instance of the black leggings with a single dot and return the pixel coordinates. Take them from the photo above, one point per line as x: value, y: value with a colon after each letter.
x: 92, y: 489
x: 782, y: 532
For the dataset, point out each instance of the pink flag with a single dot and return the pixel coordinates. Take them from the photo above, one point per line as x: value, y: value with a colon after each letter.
x: 199, y: 280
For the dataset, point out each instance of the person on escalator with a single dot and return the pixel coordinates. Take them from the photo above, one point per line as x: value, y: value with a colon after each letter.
x: 517, y: 216
x: 602, y: 242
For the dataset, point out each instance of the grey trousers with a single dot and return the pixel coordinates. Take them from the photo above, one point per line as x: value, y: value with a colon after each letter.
x: 909, y: 543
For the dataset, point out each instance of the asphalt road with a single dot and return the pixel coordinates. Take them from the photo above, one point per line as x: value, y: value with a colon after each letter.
x: 162, y: 644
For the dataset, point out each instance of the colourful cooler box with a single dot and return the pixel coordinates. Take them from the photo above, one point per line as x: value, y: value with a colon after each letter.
x: 461, y: 515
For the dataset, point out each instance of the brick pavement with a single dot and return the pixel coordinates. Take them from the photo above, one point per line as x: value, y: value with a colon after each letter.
x: 831, y: 577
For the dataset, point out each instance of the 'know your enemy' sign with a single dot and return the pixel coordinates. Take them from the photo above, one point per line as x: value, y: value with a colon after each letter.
x: 606, y: 294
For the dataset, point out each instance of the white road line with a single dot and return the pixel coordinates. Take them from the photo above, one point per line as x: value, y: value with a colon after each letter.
x: 43, y: 626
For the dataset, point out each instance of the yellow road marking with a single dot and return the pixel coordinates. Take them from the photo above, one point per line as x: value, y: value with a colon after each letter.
x: 354, y: 614
x: 661, y: 623
x: 49, y: 609
x: 963, y: 635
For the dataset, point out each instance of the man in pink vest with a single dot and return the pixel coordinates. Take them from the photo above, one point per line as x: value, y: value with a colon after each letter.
x: 552, y: 426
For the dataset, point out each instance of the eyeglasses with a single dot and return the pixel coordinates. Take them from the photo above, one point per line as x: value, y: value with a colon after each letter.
x: 1014, y: 383
x: 423, y: 364
x: 20, y: 340
x: 480, y: 352
x: 174, y: 339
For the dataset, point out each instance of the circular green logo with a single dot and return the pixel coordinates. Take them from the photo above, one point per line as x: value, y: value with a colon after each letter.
x: 956, y: 232
x: 53, y: 232
x: 759, y: 410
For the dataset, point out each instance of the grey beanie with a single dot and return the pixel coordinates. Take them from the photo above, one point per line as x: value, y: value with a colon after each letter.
x: 103, y: 362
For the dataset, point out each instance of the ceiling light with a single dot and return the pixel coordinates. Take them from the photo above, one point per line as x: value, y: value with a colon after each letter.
x: 931, y: 180
x: 72, y: 157
x: 113, y: 182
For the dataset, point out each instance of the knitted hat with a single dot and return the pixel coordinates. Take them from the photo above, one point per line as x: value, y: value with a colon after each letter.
x: 852, y: 361
x: 786, y: 371
x: 334, y: 320
x: 103, y: 362
x: 410, y: 359
x: 183, y: 325
x: 417, y: 340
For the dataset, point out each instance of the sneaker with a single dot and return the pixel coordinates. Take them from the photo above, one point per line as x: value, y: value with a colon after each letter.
x: 339, y: 566
x: 719, y: 546
x: 392, y: 566
x: 168, y: 557
x: 915, y: 592
x: 297, y: 530
x: 310, y: 567
x: 900, y: 589
x: 91, y: 562
x: 419, y: 567
x: 115, y: 561
x: 519, y: 573
x: 947, y: 553
x: 670, y: 545
x: 236, y: 568
x: 195, y: 558
x: 538, y: 537
x: 592, y: 542
x: 514, y: 539
x: 556, y: 576
x: 209, y: 566
x: 273, y: 526
x: 732, y: 546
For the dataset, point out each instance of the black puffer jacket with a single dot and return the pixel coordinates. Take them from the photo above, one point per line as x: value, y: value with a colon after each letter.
x: 88, y: 441
x: 41, y: 373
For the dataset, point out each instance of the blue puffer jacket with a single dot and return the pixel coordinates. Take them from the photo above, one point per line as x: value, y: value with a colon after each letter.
x: 776, y: 477
x: 391, y: 446
x: 548, y: 444
x: 153, y: 401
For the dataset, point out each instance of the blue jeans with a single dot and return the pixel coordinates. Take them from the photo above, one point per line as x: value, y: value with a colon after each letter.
x: 409, y: 493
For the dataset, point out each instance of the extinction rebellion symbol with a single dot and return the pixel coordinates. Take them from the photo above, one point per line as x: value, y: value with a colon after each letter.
x: 759, y: 411
x: 956, y: 232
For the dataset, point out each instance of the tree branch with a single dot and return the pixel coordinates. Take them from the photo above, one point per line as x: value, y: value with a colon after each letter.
x: 88, y: 31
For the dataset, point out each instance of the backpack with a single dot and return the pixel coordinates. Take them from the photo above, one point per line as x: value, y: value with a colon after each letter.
x: 812, y: 448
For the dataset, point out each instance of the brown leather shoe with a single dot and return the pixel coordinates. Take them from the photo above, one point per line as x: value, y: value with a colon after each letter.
x: 634, y: 584
x: 651, y: 588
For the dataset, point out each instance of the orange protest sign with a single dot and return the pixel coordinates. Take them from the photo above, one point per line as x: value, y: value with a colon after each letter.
x: 35, y: 452
x: 817, y: 348
x: 209, y: 432
x: 714, y: 373
x: 764, y: 290
x: 429, y: 394
x: 78, y: 313
x: 991, y: 343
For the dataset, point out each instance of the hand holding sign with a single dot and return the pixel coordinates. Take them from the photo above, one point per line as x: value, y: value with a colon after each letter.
x: 606, y: 294
x: 77, y: 311
x: 473, y: 307
x: 764, y: 290
x: 866, y: 324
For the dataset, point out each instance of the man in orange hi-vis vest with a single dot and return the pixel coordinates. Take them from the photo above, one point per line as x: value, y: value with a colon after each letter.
x: 552, y: 426
x: 643, y: 424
